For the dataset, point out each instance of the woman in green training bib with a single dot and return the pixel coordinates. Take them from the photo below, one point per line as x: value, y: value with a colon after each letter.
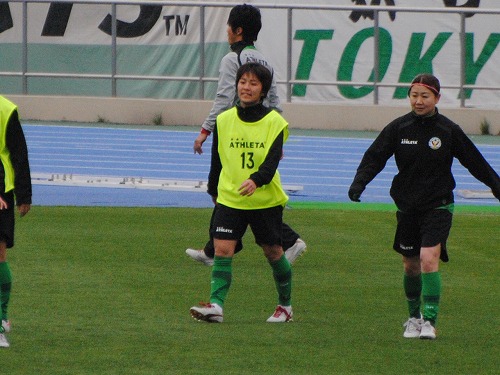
x: 424, y: 143
x: 243, y: 27
x: 245, y: 184
x: 15, y: 190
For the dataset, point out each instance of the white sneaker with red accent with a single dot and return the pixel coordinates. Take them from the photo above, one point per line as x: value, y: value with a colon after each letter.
x: 207, y: 312
x: 282, y: 314
x: 6, y: 326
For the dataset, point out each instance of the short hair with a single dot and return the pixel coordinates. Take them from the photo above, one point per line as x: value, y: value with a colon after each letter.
x: 427, y: 80
x: 261, y: 72
x: 248, y: 18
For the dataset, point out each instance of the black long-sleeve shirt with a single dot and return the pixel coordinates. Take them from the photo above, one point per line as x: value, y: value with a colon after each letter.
x: 16, y: 144
x: 267, y: 169
x: 424, y: 148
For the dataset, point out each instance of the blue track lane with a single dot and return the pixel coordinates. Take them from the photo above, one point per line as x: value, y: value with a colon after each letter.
x: 323, y: 166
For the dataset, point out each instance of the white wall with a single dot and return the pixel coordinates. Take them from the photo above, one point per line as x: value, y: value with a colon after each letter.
x: 191, y: 112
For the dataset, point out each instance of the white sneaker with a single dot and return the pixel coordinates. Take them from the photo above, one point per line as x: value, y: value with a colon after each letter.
x: 282, y: 314
x: 427, y: 331
x: 3, y: 341
x: 6, y: 325
x: 293, y: 252
x: 412, y: 328
x: 199, y: 255
x: 207, y: 312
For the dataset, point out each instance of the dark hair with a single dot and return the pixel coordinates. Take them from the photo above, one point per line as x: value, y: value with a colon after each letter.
x: 263, y: 74
x: 427, y: 80
x: 248, y: 18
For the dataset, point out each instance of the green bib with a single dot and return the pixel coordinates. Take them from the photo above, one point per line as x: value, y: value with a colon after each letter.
x: 243, y: 147
x: 6, y: 109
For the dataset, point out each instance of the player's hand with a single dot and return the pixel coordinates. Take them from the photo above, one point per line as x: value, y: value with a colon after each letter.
x: 3, y: 204
x: 23, y: 209
x: 198, y: 142
x: 496, y: 195
x: 354, y: 195
x: 247, y: 188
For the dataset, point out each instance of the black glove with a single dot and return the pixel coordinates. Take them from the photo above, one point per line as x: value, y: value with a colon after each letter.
x: 496, y: 194
x: 355, y: 193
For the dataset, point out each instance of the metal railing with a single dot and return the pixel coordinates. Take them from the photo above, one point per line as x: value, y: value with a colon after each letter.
x: 289, y: 81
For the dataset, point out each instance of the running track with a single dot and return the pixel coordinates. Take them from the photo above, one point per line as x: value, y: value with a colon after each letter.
x: 323, y: 166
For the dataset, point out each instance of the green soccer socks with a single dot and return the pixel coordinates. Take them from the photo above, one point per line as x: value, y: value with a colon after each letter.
x: 282, y: 273
x: 413, y: 289
x: 431, y: 292
x: 221, y: 280
x: 5, y: 287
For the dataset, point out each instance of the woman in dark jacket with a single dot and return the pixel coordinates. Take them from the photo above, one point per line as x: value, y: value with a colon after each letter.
x: 424, y: 144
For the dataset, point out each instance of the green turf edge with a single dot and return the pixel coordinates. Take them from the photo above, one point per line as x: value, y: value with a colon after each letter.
x: 383, y: 207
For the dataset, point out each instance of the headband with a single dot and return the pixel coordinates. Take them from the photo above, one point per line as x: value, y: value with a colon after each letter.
x: 433, y: 89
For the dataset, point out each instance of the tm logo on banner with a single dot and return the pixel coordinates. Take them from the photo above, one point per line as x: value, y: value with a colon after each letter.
x: 58, y: 15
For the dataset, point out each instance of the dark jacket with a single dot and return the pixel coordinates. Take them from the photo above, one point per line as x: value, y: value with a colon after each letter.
x: 16, y: 143
x: 424, y: 148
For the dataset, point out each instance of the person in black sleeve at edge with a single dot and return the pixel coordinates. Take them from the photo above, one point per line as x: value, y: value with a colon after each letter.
x: 15, y: 184
x: 243, y: 26
x: 424, y: 143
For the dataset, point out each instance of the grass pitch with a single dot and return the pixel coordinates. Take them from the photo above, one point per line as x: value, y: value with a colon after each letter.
x: 108, y: 290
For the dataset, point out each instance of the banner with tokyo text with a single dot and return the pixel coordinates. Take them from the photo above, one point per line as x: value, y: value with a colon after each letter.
x: 327, y: 46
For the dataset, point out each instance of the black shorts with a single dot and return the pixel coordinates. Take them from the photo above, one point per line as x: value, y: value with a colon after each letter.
x: 423, y: 229
x: 7, y: 220
x: 231, y: 224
